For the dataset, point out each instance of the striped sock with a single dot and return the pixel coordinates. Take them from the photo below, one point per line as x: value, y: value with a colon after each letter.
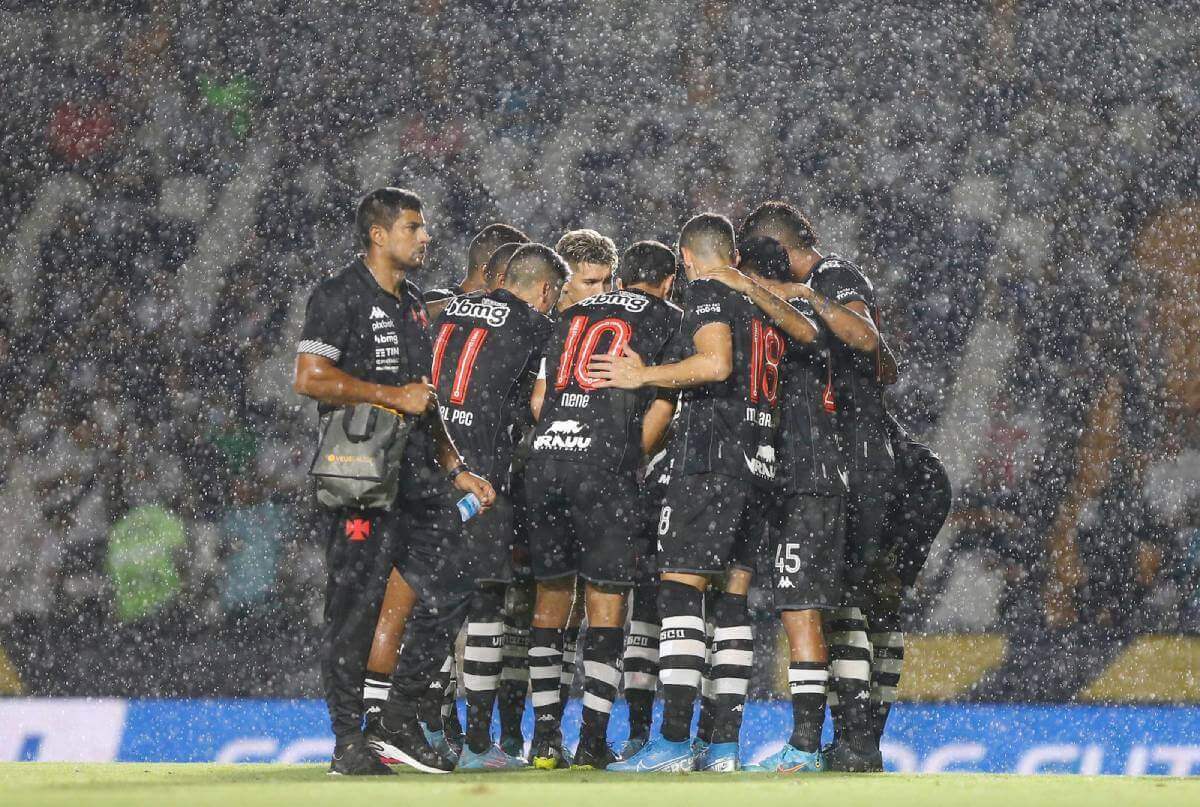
x: 850, y: 668
x: 807, y: 681
x: 641, y: 671
x: 375, y: 692
x: 681, y: 655
x: 451, y: 724
x: 601, y: 677
x: 567, y: 677
x: 708, y: 709
x: 545, y: 667
x: 888, y: 663
x: 514, y: 679
x: 732, y: 661
x: 483, y: 658
x: 433, y: 700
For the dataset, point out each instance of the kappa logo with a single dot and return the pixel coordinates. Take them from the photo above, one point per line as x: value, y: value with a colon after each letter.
x: 786, y: 583
x: 762, y: 464
x: 378, y: 313
x: 545, y: 718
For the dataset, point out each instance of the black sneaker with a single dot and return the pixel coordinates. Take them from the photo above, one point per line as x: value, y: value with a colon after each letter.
x: 547, y: 755
x: 844, y: 758
x: 355, y: 758
x: 407, y: 745
x: 597, y: 759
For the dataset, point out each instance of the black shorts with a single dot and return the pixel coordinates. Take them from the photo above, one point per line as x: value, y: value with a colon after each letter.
x: 867, y: 505
x: 432, y: 553
x: 522, y: 570
x: 583, y: 520
x: 646, y: 572
x: 710, y: 522
x: 808, y: 547
x: 489, y: 544
x: 917, y: 510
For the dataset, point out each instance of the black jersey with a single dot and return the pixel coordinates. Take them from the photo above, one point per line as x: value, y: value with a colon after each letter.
x: 583, y: 423
x: 811, y: 461
x: 730, y: 427
x: 486, y: 353
x: 442, y: 294
x: 857, y: 393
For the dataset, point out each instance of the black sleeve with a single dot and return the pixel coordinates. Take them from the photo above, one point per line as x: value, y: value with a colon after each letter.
x: 707, y: 301
x: 326, y: 324
x: 843, y: 284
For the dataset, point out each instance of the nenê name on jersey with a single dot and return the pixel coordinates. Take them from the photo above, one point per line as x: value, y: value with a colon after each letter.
x: 766, y: 419
x: 563, y: 435
x: 575, y: 399
x: 762, y: 464
x: 628, y: 300
x: 494, y: 312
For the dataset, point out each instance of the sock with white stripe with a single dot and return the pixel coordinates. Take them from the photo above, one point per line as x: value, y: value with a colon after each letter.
x: 887, y: 664
x: 732, y: 661
x: 375, y: 692
x: 708, y: 709
x: 641, y: 661
x: 681, y: 655
x: 545, y: 667
x: 514, y: 679
x: 483, y: 659
x: 850, y: 678
x: 807, y: 681
x: 601, y: 677
x: 451, y: 724
x: 567, y: 677
x: 430, y: 708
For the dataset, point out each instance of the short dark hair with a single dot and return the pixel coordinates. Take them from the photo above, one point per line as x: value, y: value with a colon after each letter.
x: 646, y: 262
x: 499, y: 261
x: 709, y: 234
x: 491, y: 238
x: 764, y: 257
x: 783, y: 222
x: 535, y: 262
x: 380, y: 208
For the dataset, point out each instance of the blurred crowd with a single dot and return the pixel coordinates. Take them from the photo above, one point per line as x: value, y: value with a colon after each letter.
x: 995, y: 162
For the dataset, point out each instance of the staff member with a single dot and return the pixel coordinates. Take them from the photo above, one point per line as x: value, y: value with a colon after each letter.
x: 366, y: 340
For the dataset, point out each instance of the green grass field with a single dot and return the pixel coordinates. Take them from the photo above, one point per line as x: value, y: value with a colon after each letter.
x: 78, y: 785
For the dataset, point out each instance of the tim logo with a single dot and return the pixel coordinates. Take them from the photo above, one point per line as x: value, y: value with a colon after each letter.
x: 358, y: 529
x: 562, y: 435
x: 762, y: 464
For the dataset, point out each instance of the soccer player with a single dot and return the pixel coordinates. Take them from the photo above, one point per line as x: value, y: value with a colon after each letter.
x: 593, y: 260
x: 365, y: 340
x: 712, y: 518
x: 582, y: 493
x: 483, y: 246
x: 808, y: 521
x: 844, y: 301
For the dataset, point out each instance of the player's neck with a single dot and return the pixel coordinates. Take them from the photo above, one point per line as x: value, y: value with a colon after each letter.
x: 472, y: 283
x: 388, y: 274
x: 805, y: 266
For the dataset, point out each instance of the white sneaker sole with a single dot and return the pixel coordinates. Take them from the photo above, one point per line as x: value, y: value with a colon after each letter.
x: 392, y: 752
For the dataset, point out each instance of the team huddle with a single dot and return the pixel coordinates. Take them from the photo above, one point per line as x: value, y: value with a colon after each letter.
x: 623, y: 443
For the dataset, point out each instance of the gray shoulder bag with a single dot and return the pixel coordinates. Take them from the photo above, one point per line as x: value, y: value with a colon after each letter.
x: 358, y: 457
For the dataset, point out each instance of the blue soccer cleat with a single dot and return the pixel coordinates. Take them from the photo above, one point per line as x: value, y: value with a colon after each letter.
x: 658, y: 755
x: 718, y: 757
x: 493, y: 759
x: 513, y: 746
x: 438, y: 742
x: 790, y: 759
x: 632, y: 746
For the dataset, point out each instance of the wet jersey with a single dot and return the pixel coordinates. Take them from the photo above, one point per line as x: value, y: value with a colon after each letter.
x: 730, y: 427
x: 856, y: 390
x: 583, y: 423
x: 810, y: 459
x: 486, y: 351
x: 442, y: 294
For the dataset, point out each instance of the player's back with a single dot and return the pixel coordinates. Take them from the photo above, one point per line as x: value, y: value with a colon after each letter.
x: 730, y: 426
x: 487, y: 348
x: 580, y: 422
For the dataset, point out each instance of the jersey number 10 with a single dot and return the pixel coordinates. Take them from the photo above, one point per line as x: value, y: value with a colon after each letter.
x: 581, y: 345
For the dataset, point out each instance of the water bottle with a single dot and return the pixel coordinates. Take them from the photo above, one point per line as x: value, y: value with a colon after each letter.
x: 468, y: 507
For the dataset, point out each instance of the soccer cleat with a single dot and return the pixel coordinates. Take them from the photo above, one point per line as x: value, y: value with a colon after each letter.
x: 593, y: 759
x: 547, y: 755
x: 355, y: 758
x: 658, y: 755
x: 790, y: 759
x: 493, y: 759
x: 438, y: 742
x: 718, y: 757
x: 513, y: 746
x: 632, y: 746
x: 406, y: 745
x: 843, y: 758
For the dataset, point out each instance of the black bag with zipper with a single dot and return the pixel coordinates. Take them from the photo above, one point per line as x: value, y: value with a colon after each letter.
x: 358, y: 459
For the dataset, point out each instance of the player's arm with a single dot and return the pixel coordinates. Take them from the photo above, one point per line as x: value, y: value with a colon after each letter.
x: 655, y: 425
x: 889, y: 366
x: 537, y: 398
x: 317, y: 377
x: 711, y: 362
x: 783, y: 313
x: 850, y: 323
x: 451, y: 460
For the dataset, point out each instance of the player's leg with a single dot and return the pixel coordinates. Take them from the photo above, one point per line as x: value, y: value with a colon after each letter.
x: 358, y: 558
x: 641, y: 663
x: 605, y: 606
x: 566, y: 678
x: 732, y: 661
x: 398, y: 602
x: 514, y: 679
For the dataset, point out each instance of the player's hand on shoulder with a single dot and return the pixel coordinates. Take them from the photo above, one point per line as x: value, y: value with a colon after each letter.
x: 468, y: 482
x: 622, y: 371
x: 727, y: 275
x: 414, y: 398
